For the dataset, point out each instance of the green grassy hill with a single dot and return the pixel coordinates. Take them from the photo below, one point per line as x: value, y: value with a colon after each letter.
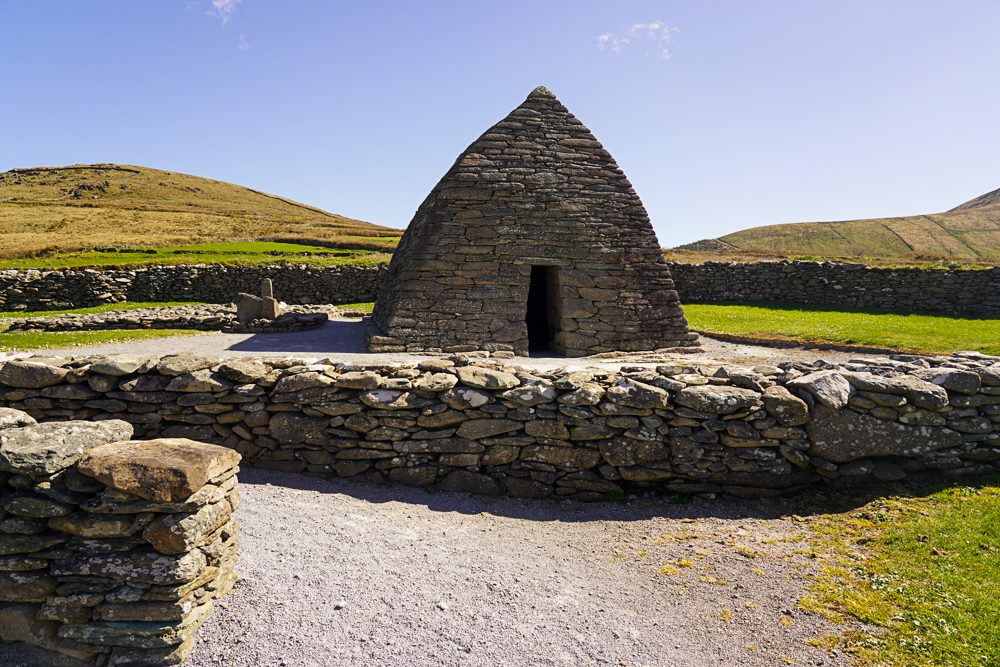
x: 53, y: 210
x: 967, y: 233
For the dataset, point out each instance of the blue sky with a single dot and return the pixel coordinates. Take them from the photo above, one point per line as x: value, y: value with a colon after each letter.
x: 724, y: 114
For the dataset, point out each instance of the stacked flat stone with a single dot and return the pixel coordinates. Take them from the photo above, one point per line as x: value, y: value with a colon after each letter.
x: 38, y: 289
x: 958, y: 292
x: 111, y: 552
x: 198, y: 318
x: 470, y: 422
x: 536, y: 189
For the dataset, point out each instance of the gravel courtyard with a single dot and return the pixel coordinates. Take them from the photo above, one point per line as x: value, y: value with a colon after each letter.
x: 343, y: 340
x: 341, y: 573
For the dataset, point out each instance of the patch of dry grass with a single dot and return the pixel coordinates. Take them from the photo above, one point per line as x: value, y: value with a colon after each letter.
x: 53, y: 210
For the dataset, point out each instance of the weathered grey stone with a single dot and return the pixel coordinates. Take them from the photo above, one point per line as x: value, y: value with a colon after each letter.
x: 842, y: 436
x: 10, y: 418
x: 392, y: 399
x: 41, y: 450
x: 786, y: 408
x: 530, y: 394
x: 356, y: 380
x: 165, y: 470
x: 30, y: 375
x: 828, y: 387
x: 475, y: 429
x: 179, y: 533
x: 133, y: 567
x: 27, y: 544
x: 469, y: 482
x: 634, y: 394
x: 953, y: 379
x: 203, y: 381
x: 138, y: 634
x: 292, y: 428
x: 718, y: 399
x: 25, y: 504
x: 463, y: 398
x: 547, y: 428
x: 84, y: 524
x: 243, y: 370
x: 248, y: 307
x: 118, y: 365
x: 627, y: 452
x: 919, y: 392
x: 269, y: 308
x: 26, y: 586
x: 479, y: 377
x: 178, y: 364
x: 18, y: 624
x: 585, y: 394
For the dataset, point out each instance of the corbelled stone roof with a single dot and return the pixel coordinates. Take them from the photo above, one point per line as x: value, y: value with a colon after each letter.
x: 536, y: 189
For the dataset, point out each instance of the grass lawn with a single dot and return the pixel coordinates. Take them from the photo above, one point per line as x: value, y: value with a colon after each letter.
x: 39, y: 340
x: 250, y: 252
x: 924, y: 571
x: 366, y: 306
x: 914, y: 333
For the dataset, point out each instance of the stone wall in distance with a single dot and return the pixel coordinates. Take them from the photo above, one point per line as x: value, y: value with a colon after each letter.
x: 960, y: 293
x: 36, y: 289
x: 963, y: 293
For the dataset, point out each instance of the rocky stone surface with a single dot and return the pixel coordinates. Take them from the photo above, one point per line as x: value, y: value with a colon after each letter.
x: 93, y: 573
x: 535, y: 207
x: 41, y: 289
x: 956, y: 292
x: 470, y: 422
x: 225, y: 318
x: 42, y: 450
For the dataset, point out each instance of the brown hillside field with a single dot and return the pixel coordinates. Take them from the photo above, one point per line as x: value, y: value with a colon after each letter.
x: 969, y: 233
x: 48, y: 210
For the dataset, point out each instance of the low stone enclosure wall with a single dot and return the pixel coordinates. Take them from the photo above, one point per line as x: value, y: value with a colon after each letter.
x: 200, y: 318
x: 111, y: 551
x: 35, y: 289
x: 960, y: 293
x: 470, y: 423
x: 821, y: 284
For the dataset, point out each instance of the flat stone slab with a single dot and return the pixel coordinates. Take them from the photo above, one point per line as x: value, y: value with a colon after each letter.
x: 41, y: 450
x: 11, y: 418
x: 164, y: 470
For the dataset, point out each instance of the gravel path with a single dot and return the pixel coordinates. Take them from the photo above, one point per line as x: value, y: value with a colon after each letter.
x: 339, y: 573
x: 344, y: 340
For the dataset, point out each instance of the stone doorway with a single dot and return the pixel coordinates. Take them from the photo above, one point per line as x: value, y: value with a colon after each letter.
x: 540, y: 315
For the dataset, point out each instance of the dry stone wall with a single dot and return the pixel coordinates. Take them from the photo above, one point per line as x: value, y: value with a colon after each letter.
x: 823, y: 284
x: 35, y: 289
x: 473, y: 424
x: 111, y: 552
x: 962, y: 293
x: 199, y: 318
x: 534, y: 216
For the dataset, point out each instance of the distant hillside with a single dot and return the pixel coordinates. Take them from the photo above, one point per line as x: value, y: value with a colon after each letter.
x: 54, y: 209
x: 970, y: 233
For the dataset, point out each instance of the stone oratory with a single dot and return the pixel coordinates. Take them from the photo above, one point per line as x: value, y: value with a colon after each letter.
x: 533, y: 241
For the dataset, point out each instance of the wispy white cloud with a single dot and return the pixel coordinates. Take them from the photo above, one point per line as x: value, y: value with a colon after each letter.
x: 224, y: 9
x: 243, y: 44
x: 654, y: 37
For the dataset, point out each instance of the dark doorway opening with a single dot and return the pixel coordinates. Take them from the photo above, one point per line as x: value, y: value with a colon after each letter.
x: 539, y: 315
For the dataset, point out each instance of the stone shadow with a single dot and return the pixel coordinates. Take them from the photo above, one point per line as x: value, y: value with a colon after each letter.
x: 827, y: 500
x: 335, y: 336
